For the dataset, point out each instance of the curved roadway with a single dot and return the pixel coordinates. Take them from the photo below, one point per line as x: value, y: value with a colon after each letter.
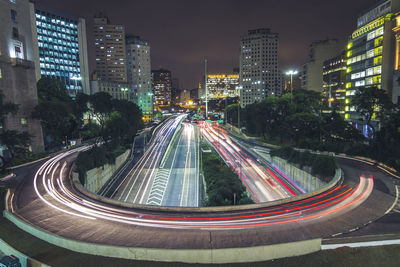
x: 46, y: 199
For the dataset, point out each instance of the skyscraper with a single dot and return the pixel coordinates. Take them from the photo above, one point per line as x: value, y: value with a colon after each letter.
x: 62, y: 50
x: 259, y: 66
x: 319, y: 52
x: 139, y: 74
x: 17, y: 68
x: 110, y: 50
x: 371, y: 56
x: 162, y: 85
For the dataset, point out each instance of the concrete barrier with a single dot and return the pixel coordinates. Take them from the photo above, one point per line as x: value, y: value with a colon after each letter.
x: 307, y: 181
x: 204, y: 256
x: 97, y: 177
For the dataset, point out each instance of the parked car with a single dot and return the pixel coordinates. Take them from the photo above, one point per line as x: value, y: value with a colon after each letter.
x: 10, y: 261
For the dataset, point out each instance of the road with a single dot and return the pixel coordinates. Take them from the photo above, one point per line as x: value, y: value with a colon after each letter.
x: 181, y: 170
x: 136, y: 186
x: 46, y: 199
x: 263, y: 183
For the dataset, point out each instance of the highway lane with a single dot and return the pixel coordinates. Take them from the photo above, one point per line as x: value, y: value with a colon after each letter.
x: 263, y: 184
x: 47, y: 200
x: 135, y: 187
x: 182, y: 165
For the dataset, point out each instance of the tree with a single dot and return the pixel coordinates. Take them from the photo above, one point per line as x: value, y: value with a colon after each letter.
x: 14, y: 141
x: 56, y: 112
x: 370, y: 102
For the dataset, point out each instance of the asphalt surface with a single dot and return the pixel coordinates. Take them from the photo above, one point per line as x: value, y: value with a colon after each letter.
x: 46, y: 199
x: 181, y: 170
x: 263, y: 182
x: 137, y: 184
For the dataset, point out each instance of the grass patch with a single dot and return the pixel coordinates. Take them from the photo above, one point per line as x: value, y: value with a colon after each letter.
x: 222, y: 183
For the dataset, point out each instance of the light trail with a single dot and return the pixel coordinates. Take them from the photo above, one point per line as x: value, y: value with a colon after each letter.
x: 61, y: 198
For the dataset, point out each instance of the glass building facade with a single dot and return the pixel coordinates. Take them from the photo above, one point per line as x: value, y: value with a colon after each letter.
x: 58, y: 47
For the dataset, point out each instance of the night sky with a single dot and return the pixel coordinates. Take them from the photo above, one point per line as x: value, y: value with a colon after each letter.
x: 183, y: 33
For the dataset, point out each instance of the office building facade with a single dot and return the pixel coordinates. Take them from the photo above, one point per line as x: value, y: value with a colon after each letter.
x: 162, y: 86
x: 371, y: 56
x: 319, y: 52
x: 334, y: 81
x: 17, y: 68
x: 222, y: 86
x: 139, y: 74
x: 259, y: 66
x: 61, y: 48
x: 110, y: 50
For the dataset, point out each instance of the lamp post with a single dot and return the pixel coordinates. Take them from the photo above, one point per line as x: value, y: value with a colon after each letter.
x: 291, y: 73
x: 76, y: 79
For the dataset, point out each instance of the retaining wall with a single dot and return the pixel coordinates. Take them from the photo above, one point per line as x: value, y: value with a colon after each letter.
x: 205, y: 256
x: 96, y: 178
x: 307, y: 181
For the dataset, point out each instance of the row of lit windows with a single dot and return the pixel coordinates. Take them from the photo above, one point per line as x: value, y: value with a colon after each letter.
x: 368, y: 81
x: 44, y: 26
x: 56, y: 21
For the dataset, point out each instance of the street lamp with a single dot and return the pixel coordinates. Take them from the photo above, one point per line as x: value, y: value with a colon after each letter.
x: 76, y: 79
x: 291, y: 73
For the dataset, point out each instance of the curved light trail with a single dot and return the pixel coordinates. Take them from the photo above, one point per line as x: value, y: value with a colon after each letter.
x: 53, y: 187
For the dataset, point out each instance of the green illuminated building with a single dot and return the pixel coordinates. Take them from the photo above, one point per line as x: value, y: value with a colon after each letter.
x: 370, y: 55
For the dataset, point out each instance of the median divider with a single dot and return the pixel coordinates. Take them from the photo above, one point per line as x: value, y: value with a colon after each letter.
x: 194, y: 256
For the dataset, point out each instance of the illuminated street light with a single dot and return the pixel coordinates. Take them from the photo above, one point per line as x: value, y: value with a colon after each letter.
x: 291, y: 73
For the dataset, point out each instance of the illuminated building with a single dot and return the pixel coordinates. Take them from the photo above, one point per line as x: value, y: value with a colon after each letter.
x: 62, y: 50
x: 371, y: 56
x: 319, y: 51
x: 396, y: 76
x: 110, y: 50
x: 222, y: 86
x: 17, y: 69
x: 117, y: 90
x: 259, y: 66
x: 139, y: 74
x: 334, y: 80
x: 162, y: 86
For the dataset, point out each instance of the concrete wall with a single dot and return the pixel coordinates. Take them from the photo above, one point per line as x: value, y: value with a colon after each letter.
x: 206, y: 256
x: 96, y: 178
x: 307, y: 181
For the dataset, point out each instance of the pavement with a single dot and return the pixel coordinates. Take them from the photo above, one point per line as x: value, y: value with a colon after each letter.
x: 136, y: 185
x: 182, y: 170
x: 350, y: 206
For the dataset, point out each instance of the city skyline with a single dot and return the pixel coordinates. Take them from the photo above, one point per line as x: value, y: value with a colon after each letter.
x: 184, y: 53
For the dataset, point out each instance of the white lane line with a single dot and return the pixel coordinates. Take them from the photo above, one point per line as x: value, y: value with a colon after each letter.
x: 395, y: 201
x: 362, y: 244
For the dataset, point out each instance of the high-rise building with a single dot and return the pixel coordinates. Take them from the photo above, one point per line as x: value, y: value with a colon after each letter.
x: 334, y: 81
x: 259, y: 66
x: 175, y: 91
x: 117, y: 90
x: 371, y: 56
x: 222, y: 85
x: 61, y: 48
x: 110, y: 50
x: 319, y: 52
x: 162, y: 85
x: 139, y: 74
x: 17, y: 68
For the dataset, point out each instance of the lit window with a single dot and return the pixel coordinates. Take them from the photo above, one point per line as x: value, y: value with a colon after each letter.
x: 1, y: 75
x: 23, y: 122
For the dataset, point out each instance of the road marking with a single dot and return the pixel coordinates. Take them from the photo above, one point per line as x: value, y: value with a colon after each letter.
x: 159, y: 187
x: 361, y: 244
x: 395, y: 201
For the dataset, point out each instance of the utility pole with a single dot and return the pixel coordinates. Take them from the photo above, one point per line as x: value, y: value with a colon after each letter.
x: 205, y: 83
